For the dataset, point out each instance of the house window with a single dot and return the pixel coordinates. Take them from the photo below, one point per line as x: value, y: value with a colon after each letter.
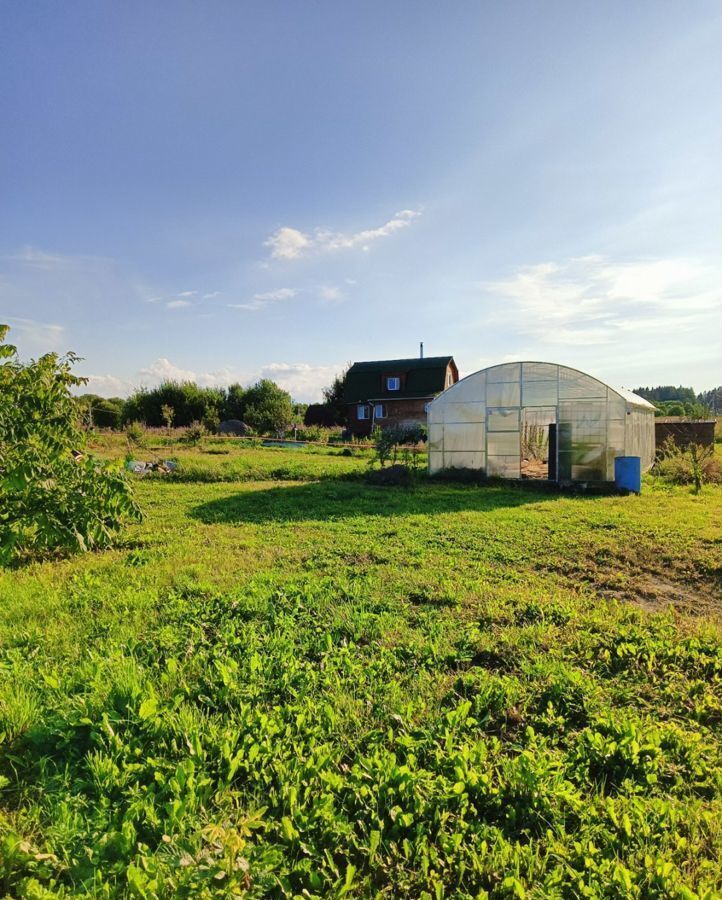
x: 393, y: 383
x: 379, y: 411
x: 362, y: 411
x: 449, y: 379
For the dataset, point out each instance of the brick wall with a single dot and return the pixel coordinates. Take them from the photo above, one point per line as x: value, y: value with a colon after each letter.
x: 398, y: 412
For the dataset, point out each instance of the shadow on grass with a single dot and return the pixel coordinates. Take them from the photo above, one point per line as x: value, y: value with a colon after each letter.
x: 334, y: 499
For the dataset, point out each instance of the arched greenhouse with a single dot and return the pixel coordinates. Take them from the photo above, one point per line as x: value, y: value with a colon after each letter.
x: 538, y: 420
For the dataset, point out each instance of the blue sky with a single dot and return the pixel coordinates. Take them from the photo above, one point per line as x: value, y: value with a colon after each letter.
x: 229, y: 190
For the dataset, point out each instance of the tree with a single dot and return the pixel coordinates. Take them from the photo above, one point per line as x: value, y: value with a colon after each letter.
x: 319, y: 414
x: 333, y: 397
x: 268, y: 407
x: 168, y: 414
x: 666, y: 392
x: 100, y: 412
x: 52, y: 494
x: 234, y: 405
x: 190, y: 402
x: 712, y: 400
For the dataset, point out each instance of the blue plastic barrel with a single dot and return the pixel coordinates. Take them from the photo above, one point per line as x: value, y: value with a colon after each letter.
x: 628, y: 473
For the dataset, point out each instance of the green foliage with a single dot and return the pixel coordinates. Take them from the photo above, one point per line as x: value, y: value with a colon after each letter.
x: 101, y: 412
x: 694, y: 464
x: 268, y: 408
x: 666, y: 392
x: 52, y: 495
x: 690, y: 409
x: 189, y: 402
x: 168, y: 415
x: 194, y: 434
x: 399, y: 443
x: 333, y: 400
x: 234, y: 406
x: 712, y: 400
x: 211, y: 420
x: 135, y: 434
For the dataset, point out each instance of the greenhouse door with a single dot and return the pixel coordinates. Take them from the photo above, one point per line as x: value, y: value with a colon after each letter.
x: 538, y: 442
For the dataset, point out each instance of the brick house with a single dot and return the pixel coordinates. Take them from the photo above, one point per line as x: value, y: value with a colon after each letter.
x: 395, y: 391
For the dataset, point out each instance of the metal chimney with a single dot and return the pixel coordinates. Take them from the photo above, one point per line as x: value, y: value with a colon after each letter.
x: 421, y: 350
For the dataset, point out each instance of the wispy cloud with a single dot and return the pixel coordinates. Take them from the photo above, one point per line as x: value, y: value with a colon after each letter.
x: 177, y: 304
x: 187, y: 293
x: 32, y: 336
x: 330, y: 294
x: 593, y: 300
x: 211, y: 295
x: 262, y: 300
x: 290, y: 243
x: 34, y: 257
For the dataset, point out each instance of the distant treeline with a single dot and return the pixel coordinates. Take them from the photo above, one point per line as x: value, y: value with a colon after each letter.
x: 682, y: 401
x: 264, y: 406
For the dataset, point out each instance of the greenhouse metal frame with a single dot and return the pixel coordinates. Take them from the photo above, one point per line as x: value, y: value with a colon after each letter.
x: 538, y: 420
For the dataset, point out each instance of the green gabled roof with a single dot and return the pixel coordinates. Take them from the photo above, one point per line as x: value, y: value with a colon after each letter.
x: 424, y: 378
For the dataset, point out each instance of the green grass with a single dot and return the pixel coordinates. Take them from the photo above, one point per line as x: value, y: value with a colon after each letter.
x: 316, y: 687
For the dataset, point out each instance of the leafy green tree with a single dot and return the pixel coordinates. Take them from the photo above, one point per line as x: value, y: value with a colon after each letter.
x: 168, y: 414
x: 333, y: 398
x: 53, y: 496
x: 190, y: 402
x: 663, y: 393
x: 100, y: 412
x: 234, y: 405
x: 268, y: 407
x: 712, y: 400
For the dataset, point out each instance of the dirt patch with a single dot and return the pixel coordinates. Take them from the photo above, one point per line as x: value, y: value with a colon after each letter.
x: 654, y: 592
x: 534, y: 468
x: 695, y: 593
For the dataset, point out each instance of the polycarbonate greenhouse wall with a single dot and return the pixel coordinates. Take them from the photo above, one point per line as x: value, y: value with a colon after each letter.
x: 541, y: 420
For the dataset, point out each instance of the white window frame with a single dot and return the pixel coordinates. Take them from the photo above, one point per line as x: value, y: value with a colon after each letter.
x: 362, y: 412
x: 449, y: 379
x: 393, y: 383
x: 382, y: 413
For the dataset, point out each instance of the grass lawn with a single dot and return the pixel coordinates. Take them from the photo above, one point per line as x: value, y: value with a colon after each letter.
x: 288, y: 682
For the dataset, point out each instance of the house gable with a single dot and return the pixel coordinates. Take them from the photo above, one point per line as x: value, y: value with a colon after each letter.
x: 419, y: 378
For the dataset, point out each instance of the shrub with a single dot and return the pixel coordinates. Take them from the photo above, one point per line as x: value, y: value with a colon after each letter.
x: 194, y: 434
x: 135, y: 434
x: 320, y: 414
x: 211, y: 420
x: 399, y: 441
x: 695, y: 465
x: 52, y: 495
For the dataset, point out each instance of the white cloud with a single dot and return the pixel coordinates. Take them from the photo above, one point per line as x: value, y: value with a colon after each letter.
x: 211, y: 295
x: 331, y: 294
x: 164, y: 370
x: 260, y: 301
x: 303, y: 381
x: 35, y: 258
x: 177, y: 304
x: 106, y: 386
x: 290, y: 243
x: 32, y: 337
x: 187, y: 293
x: 592, y: 300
